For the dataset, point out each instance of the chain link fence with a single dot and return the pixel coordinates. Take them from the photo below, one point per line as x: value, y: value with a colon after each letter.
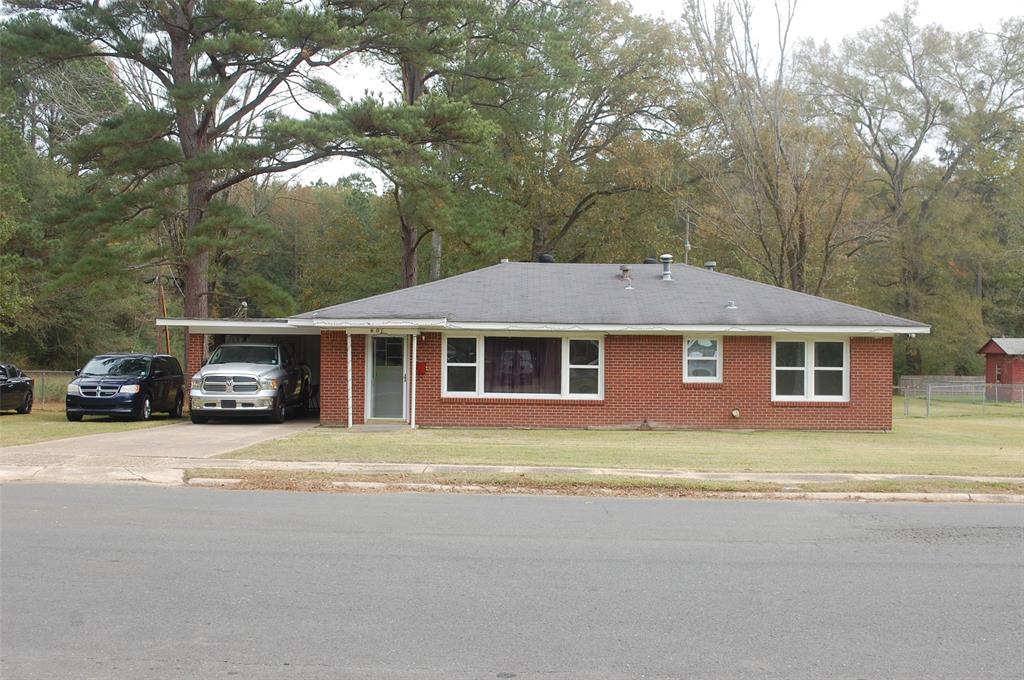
x: 50, y: 386
x: 957, y: 399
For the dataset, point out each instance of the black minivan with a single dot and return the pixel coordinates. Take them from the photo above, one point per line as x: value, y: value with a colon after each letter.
x: 132, y: 385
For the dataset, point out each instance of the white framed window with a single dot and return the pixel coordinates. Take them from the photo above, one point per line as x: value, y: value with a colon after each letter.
x: 521, y: 366
x: 810, y: 369
x: 702, y: 360
x: 584, y: 366
x: 460, y: 372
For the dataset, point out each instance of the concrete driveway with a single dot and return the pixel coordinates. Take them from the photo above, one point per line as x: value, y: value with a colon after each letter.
x: 133, y: 455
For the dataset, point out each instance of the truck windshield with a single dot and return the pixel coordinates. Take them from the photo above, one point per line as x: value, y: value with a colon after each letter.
x: 244, y: 354
x: 136, y: 367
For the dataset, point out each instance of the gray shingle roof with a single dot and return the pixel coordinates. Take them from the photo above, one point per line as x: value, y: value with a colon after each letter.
x: 524, y: 292
x: 1012, y: 346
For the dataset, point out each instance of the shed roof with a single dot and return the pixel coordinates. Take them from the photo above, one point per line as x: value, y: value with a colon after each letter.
x: 596, y: 294
x: 1010, y: 346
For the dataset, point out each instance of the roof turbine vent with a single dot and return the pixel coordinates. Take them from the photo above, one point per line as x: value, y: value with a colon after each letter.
x: 666, y: 267
x: 624, y: 271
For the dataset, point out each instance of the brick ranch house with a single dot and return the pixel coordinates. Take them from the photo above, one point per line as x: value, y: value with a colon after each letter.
x: 588, y: 345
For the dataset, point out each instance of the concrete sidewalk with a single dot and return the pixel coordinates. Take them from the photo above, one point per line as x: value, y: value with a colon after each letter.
x: 170, y: 471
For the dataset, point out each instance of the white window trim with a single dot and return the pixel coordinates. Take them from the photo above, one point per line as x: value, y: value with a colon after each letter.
x: 808, y: 369
x: 564, y: 393
x: 718, y: 359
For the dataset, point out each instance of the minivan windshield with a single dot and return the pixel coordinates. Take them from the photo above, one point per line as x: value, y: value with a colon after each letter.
x: 134, y: 367
x: 245, y: 354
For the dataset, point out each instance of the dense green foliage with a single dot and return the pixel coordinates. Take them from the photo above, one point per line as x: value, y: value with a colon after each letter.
x: 884, y: 171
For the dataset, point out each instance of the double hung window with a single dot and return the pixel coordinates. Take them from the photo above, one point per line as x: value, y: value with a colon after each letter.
x: 702, y: 360
x: 810, y: 370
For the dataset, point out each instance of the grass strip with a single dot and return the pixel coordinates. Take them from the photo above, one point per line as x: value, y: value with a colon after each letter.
x: 287, y: 480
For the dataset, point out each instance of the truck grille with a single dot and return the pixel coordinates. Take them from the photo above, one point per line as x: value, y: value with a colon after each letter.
x: 98, y: 389
x: 231, y: 384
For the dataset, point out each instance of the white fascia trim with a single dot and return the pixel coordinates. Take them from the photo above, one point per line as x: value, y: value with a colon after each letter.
x: 230, y: 326
x: 369, y: 325
x: 753, y: 329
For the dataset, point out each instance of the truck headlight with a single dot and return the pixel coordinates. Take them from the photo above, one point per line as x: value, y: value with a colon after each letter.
x: 269, y: 383
x: 129, y: 389
x: 197, y: 382
x: 73, y: 388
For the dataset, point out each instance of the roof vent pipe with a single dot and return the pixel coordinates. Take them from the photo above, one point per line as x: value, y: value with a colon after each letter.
x: 546, y: 258
x: 666, y: 267
x: 710, y: 265
x: 624, y: 273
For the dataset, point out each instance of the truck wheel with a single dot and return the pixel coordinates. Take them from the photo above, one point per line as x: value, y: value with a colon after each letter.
x: 198, y: 419
x: 26, y: 403
x: 279, y: 412
x: 179, y: 406
x: 74, y: 417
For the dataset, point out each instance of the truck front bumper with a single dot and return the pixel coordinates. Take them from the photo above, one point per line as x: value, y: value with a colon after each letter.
x: 227, y: 404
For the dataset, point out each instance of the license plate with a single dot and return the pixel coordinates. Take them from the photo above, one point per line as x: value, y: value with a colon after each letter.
x: 228, y: 403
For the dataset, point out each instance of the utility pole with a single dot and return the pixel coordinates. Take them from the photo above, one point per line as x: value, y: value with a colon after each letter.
x: 162, y: 302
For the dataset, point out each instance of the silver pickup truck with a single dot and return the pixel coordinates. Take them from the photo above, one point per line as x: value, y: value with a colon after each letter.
x: 249, y: 379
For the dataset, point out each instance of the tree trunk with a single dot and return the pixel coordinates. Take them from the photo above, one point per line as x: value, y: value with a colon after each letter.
x: 412, y: 90
x: 436, y: 251
x: 540, y: 242
x: 410, y: 267
x: 197, y: 264
x: 193, y: 144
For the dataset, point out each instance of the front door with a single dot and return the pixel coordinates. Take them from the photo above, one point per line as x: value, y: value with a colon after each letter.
x: 387, y: 378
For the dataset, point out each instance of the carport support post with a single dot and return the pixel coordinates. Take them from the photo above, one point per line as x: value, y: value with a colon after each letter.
x: 348, y: 375
x: 412, y: 405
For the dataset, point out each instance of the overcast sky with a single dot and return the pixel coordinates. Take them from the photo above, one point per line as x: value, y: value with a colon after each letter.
x: 822, y: 20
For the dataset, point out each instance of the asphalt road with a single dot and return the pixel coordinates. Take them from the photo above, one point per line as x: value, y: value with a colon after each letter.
x: 133, y: 582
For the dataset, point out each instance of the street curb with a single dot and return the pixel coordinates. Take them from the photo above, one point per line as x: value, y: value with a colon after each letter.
x: 214, y: 481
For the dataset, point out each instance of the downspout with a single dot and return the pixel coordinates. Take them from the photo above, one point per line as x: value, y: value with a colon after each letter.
x: 348, y: 374
x: 412, y: 406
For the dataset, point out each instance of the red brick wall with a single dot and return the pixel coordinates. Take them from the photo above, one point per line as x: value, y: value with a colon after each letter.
x: 196, y: 350
x: 643, y: 381
x: 334, y: 380
x: 333, y: 383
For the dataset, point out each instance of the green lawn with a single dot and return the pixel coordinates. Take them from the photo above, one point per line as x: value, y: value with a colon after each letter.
x: 971, y: 445
x: 46, y: 424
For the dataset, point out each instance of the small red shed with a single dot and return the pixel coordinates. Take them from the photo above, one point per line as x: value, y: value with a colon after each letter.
x: 1004, y: 368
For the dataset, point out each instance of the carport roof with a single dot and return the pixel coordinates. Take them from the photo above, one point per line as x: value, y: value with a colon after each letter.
x: 596, y: 295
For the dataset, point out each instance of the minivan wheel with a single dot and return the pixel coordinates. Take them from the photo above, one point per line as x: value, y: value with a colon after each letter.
x: 146, y: 410
x: 278, y: 414
x: 26, y: 404
x: 179, y: 406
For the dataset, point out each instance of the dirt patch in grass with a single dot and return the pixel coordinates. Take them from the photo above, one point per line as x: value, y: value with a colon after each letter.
x: 282, y: 480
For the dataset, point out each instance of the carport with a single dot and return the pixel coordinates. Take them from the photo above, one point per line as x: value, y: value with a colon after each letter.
x: 205, y: 335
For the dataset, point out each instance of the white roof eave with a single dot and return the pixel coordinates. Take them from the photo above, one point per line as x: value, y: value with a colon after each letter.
x: 310, y: 325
